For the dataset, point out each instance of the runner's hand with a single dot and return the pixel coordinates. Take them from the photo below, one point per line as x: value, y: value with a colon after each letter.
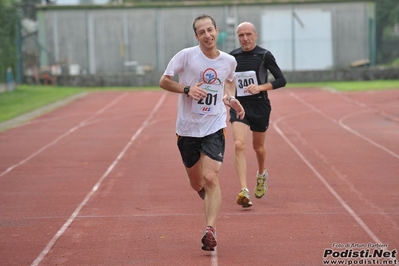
x: 197, y: 93
x: 236, y: 105
x: 253, y: 89
x: 226, y: 100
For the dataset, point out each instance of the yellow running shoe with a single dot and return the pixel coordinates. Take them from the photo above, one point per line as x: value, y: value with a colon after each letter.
x: 261, y: 186
x: 244, y: 199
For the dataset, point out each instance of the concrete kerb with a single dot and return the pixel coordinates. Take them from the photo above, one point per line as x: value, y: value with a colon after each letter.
x: 28, y: 116
x: 3, y: 87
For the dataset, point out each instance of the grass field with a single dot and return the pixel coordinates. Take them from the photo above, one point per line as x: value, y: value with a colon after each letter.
x: 26, y: 98
x: 351, y: 85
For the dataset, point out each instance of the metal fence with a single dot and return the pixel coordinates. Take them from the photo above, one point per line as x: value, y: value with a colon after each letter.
x: 112, y: 39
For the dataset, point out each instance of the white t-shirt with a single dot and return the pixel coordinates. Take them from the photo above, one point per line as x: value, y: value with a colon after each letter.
x: 201, y: 118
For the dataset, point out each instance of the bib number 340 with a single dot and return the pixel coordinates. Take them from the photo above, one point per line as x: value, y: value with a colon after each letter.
x: 244, y: 79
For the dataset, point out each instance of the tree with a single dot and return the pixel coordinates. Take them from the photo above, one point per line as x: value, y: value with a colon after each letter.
x: 8, y: 31
x: 387, y: 15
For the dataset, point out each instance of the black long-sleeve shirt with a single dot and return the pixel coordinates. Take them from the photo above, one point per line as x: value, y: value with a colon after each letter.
x: 259, y: 60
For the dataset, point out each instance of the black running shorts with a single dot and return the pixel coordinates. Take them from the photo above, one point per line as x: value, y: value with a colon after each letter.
x: 257, y: 115
x: 212, y: 146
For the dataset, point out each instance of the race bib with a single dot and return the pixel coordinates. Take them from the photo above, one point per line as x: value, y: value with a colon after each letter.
x: 243, y: 79
x: 209, y: 105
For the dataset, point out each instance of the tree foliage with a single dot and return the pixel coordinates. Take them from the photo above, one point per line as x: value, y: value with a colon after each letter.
x: 8, y: 30
x: 387, y: 16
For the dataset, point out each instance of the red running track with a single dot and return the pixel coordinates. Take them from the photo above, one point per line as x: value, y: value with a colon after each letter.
x: 100, y: 182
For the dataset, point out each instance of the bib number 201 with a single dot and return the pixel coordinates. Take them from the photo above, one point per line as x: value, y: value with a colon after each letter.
x: 211, y: 104
x: 210, y: 99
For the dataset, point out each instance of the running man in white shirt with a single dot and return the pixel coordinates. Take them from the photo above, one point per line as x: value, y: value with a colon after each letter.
x: 206, y: 83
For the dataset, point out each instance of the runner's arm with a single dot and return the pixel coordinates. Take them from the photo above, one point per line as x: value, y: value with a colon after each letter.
x: 230, y: 100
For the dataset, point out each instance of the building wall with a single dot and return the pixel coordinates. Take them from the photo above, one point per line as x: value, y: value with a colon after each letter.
x: 136, y: 40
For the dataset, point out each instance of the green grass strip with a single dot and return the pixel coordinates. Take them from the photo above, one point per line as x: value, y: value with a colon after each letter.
x: 350, y: 85
x: 27, y: 98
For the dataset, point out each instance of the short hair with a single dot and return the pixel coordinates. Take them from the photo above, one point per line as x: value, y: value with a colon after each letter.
x: 203, y: 17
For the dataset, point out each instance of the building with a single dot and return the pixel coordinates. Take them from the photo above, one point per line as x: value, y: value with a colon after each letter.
x: 123, y: 38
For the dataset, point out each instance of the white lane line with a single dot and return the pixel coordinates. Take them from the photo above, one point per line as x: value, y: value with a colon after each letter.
x: 298, y: 98
x: 326, y: 184
x: 224, y: 215
x: 214, y: 261
x: 81, y: 124
x: 97, y: 185
x: 340, y: 121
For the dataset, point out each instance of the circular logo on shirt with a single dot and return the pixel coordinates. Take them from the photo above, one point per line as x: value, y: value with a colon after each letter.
x: 209, y: 76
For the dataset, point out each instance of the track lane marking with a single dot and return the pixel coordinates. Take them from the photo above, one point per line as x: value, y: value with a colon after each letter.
x: 325, y: 183
x: 65, y: 226
x: 314, y: 170
x: 341, y: 123
x: 372, y: 142
x: 71, y: 130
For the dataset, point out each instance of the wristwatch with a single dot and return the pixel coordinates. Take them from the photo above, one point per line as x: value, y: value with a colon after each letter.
x: 186, y: 90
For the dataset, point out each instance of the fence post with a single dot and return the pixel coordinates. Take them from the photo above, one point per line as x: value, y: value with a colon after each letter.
x: 10, y: 80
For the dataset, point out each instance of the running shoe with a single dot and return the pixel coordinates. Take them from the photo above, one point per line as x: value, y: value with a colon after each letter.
x: 261, y: 186
x: 209, y: 239
x: 201, y: 193
x: 244, y: 199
